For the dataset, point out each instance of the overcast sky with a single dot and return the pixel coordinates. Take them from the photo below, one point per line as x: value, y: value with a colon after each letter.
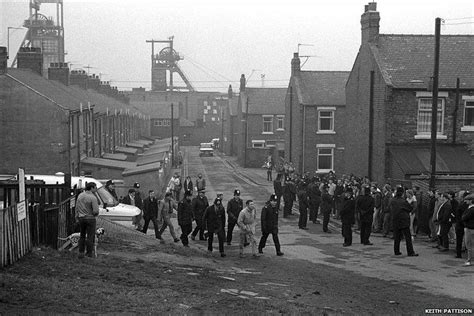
x: 219, y: 41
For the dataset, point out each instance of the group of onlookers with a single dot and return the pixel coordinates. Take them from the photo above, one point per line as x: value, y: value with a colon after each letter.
x: 396, y: 212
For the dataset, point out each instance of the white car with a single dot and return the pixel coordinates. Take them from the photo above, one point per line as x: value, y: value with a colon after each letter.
x: 108, y: 205
x: 206, y: 149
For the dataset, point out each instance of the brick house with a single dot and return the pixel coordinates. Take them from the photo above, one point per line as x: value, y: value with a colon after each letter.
x: 389, y: 102
x: 47, y: 126
x: 261, y: 112
x: 316, y: 120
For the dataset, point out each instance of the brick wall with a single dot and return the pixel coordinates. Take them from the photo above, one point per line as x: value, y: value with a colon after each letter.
x: 34, y: 132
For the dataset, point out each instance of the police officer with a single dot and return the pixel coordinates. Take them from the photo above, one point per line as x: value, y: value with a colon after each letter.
x: 302, y: 203
x: 234, y: 206
x: 185, y: 217
x: 269, y: 221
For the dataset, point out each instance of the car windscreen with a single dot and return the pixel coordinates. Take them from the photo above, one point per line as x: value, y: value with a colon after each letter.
x: 106, y: 197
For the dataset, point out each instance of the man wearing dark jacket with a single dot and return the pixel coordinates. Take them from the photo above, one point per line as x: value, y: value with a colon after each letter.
x: 365, y: 207
x: 459, y: 228
x: 278, y: 188
x: 234, y: 206
x: 214, y: 220
x: 443, y: 219
x: 314, y: 200
x: 400, y: 212
x: 326, y: 207
x: 289, y: 194
x: 199, y: 206
x: 302, y: 203
x: 185, y: 217
x: 150, y: 213
x: 347, y: 217
x: 269, y: 222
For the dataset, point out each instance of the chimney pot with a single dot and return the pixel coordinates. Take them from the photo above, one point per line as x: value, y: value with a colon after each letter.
x: 242, y: 82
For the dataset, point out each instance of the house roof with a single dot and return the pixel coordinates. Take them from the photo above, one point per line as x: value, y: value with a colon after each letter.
x: 142, y: 169
x: 126, y: 150
x: 322, y: 87
x: 151, y: 158
x: 265, y: 100
x: 449, y: 159
x: 121, y: 157
x: 108, y: 163
x: 156, y: 109
x: 407, y: 61
x: 70, y: 97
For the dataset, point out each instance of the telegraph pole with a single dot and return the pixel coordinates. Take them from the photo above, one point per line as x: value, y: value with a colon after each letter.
x: 172, y: 136
x: 434, y: 105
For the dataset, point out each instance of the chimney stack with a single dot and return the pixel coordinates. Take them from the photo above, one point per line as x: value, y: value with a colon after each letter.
x: 242, y: 83
x: 3, y: 60
x: 295, y: 65
x: 59, y: 72
x: 30, y: 58
x: 93, y: 82
x: 79, y: 78
x: 369, y: 21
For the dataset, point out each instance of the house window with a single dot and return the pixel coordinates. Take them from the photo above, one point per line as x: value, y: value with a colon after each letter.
x: 205, y: 111
x: 424, y: 116
x: 268, y: 124
x: 325, y: 157
x: 158, y: 123
x: 214, y: 111
x: 213, y: 118
x: 258, y: 144
x: 468, y: 114
x: 280, y: 123
x: 205, y: 104
x: 326, y: 120
x: 166, y: 122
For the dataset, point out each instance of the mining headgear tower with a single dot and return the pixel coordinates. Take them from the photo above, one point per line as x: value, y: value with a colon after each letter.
x: 165, y: 64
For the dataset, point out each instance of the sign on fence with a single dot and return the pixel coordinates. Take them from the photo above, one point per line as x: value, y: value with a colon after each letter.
x: 21, y: 209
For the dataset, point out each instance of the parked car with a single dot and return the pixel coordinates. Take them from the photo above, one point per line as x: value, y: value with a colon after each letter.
x: 206, y: 149
x: 108, y: 205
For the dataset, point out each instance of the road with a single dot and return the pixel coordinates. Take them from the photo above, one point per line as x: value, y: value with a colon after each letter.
x: 433, y: 272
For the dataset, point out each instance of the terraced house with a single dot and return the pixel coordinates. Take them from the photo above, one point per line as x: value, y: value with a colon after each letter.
x: 388, y: 98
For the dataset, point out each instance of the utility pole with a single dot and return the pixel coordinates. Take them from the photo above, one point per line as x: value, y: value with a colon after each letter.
x: 172, y: 136
x: 434, y: 105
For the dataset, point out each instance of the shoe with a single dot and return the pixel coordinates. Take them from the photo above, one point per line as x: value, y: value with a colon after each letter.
x: 443, y: 250
x: 437, y: 246
x: 467, y: 264
x: 346, y: 245
x: 246, y: 244
x: 413, y: 255
x: 223, y: 254
x: 305, y: 228
x: 328, y: 232
x: 260, y: 250
x: 176, y: 240
x: 368, y: 244
x: 398, y: 254
x: 458, y: 257
x: 193, y: 237
x: 228, y: 244
x: 187, y: 246
x: 280, y: 253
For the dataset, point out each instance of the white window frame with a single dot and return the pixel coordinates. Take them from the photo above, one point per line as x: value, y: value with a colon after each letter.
x: 205, y: 111
x: 280, y: 119
x: 468, y: 104
x: 213, y: 118
x: 263, y: 124
x: 257, y: 143
x: 319, y: 147
x: 424, y: 132
x: 214, y: 111
x: 332, y: 110
x: 158, y: 123
x: 166, y: 122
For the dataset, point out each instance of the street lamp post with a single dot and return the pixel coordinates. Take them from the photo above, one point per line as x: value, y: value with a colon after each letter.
x: 8, y: 38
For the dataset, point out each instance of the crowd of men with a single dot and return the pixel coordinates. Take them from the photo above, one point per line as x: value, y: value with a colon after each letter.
x: 395, y: 212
